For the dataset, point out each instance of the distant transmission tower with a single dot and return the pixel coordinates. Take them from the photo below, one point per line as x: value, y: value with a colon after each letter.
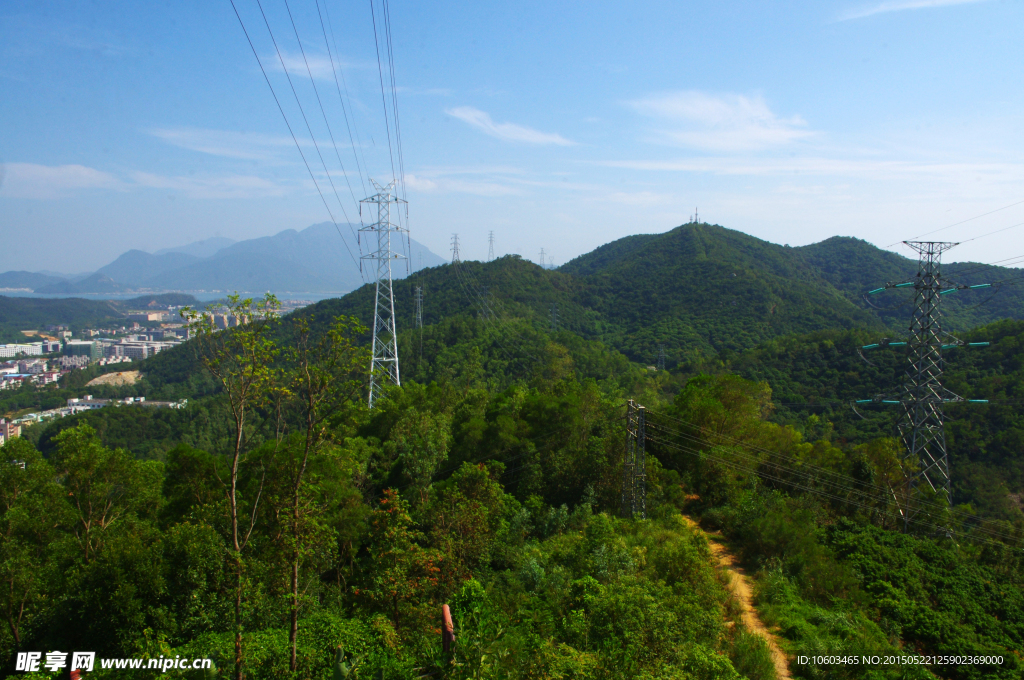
x: 384, y: 364
x: 634, y: 469
x: 419, y: 316
x: 490, y: 246
x: 661, y: 357
x: 419, y: 306
x: 541, y: 258
x: 455, y: 248
x: 554, y: 317
x: 922, y: 421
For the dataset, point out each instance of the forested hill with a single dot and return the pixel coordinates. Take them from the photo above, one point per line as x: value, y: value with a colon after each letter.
x: 855, y: 267
x: 841, y: 264
x: 698, y: 290
x: 701, y: 288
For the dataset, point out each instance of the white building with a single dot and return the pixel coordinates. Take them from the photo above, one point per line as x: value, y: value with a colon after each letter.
x: 30, y: 349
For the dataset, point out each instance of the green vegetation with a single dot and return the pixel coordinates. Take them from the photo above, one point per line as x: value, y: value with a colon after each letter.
x: 279, y: 527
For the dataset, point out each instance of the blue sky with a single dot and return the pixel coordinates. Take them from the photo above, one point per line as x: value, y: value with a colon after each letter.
x: 558, y: 126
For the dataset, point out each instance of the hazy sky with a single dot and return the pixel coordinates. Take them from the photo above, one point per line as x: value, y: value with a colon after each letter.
x: 556, y: 125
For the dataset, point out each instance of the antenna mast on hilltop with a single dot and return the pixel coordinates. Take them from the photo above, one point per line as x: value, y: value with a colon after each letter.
x: 384, y: 364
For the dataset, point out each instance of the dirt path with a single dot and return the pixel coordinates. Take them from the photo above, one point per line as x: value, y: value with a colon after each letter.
x: 739, y: 584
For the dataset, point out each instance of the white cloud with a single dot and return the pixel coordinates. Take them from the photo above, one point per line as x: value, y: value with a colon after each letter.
x: 319, y: 64
x: 420, y: 183
x: 507, y: 131
x: 899, y: 6
x: 29, y: 180
x: 449, y: 184
x: 226, y: 143
x: 730, y: 122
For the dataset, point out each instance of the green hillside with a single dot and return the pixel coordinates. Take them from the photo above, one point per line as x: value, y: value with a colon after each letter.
x: 492, y: 479
x: 855, y: 267
x: 701, y: 289
x: 818, y: 376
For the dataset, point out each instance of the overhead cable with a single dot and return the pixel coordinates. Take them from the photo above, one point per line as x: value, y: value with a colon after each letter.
x: 291, y: 131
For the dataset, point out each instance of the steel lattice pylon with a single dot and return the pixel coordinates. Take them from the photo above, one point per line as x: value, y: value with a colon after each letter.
x: 634, y: 469
x: 384, y: 364
x: 922, y: 422
x: 921, y: 425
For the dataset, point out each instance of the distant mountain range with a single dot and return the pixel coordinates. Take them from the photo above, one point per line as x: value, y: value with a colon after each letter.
x: 317, y: 259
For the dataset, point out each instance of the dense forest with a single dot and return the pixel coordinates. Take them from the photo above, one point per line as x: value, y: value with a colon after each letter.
x: 281, y: 528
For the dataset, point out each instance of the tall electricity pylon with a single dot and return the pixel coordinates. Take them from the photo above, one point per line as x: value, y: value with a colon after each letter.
x: 455, y: 248
x: 661, y: 357
x: 921, y: 427
x: 554, y: 317
x: 634, y: 469
x: 542, y: 258
x: 490, y: 246
x: 384, y: 363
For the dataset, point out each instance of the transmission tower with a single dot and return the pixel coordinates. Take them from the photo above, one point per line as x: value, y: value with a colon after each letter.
x: 455, y: 248
x: 384, y: 364
x: 661, y: 357
x: 541, y: 258
x: 554, y: 317
x: 921, y: 425
x: 490, y: 246
x: 634, y: 469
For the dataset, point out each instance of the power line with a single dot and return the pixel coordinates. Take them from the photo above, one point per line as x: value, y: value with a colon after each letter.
x: 810, y: 472
x: 302, y: 111
x: 383, y: 100
x: 807, y: 470
x: 956, y: 224
x: 341, y: 100
x: 292, y: 132
x: 819, y: 492
x: 357, y: 146
x: 394, y: 97
x: 997, y: 231
x: 330, y: 132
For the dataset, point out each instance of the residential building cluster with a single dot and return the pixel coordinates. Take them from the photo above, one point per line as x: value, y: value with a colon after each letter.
x: 14, y: 374
x: 35, y: 362
x: 87, y: 403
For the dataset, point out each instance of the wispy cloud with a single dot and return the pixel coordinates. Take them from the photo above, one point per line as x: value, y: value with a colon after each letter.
x: 454, y: 183
x: 507, y: 131
x: 728, y: 122
x: 899, y: 6
x: 319, y: 64
x: 29, y: 180
x: 224, y: 186
x: 226, y: 143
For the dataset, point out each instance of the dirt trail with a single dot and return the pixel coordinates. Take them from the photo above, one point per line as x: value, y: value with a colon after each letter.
x: 739, y: 584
